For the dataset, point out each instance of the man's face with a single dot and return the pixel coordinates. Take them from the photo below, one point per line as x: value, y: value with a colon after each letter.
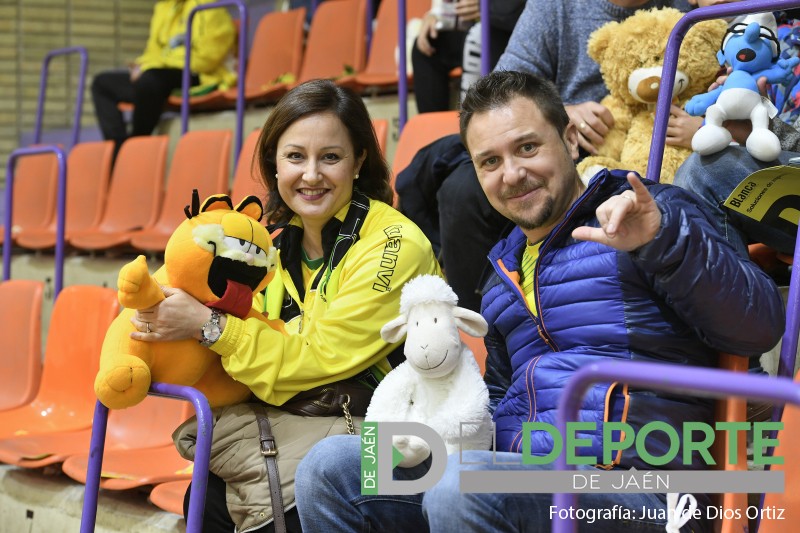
x: 526, y: 169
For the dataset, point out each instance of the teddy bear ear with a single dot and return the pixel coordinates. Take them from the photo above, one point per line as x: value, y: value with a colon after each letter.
x: 251, y: 206
x: 217, y: 201
x: 600, y: 40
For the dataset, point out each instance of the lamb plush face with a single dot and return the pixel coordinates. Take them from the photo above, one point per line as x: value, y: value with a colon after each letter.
x: 433, y: 346
x: 631, y: 54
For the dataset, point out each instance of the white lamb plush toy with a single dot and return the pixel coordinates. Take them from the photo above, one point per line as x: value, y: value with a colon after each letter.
x: 439, y: 384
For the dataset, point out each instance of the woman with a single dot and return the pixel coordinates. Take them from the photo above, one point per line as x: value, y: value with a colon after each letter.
x: 344, y: 254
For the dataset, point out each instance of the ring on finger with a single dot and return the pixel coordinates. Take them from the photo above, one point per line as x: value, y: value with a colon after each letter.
x: 582, y: 126
x: 147, y: 326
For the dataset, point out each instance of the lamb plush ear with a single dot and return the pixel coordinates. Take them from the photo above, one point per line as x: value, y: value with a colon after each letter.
x: 470, y: 322
x: 394, y: 330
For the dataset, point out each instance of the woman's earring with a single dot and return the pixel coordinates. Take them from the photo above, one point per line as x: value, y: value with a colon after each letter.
x: 356, y: 177
x: 276, y: 175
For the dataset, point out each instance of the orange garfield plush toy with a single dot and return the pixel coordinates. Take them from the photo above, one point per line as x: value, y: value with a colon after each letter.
x: 222, y: 256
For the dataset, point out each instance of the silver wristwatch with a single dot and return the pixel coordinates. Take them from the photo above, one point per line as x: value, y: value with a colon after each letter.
x: 211, y: 331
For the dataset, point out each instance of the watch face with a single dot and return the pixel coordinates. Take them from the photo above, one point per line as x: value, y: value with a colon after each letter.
x: 211, y: 332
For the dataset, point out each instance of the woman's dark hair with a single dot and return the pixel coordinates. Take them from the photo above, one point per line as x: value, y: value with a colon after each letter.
x: 497, y: 89
x: 311, y: 98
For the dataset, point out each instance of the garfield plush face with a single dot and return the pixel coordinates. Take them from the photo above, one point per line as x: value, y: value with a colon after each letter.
x: 221, y: 255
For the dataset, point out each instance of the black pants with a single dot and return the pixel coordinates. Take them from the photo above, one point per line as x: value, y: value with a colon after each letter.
x: 432, y: 73
x: 148, y: 95
x: 469, y: 228
x: 216, y: 518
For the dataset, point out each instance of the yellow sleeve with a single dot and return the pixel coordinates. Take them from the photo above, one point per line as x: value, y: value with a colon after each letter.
x: 213, y: 34
x: 153, y: 48
x: 341, y: 336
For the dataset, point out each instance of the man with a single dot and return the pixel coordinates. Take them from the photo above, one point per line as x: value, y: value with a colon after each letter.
x: 549, y: 40
x: 620, y: 270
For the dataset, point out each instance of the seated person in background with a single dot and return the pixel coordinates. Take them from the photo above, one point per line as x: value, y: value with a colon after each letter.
x: 549, y: 40
x: 613, y: 282
x: 329, y: 188
x: 438, y: 50
x: 152, y: 77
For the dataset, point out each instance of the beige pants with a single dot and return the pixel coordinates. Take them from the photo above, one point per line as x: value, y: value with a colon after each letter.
x: 236, y: 455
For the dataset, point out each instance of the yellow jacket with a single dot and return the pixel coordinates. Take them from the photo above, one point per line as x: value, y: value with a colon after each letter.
x: 337, y: 333
x: 213, y: 35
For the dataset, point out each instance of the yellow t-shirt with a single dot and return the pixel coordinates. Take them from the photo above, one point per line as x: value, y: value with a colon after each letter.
x: 529, y: 258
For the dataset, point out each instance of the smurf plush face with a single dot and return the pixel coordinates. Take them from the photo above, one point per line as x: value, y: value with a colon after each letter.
x: 749, y: 45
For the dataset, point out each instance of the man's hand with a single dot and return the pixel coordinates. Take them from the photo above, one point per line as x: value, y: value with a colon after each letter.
x: 135, y: 71
x: 627, y: 221
x: 681, y: 127
x: 593, y: 121
x: 468, y: 9
x: 427, y: 32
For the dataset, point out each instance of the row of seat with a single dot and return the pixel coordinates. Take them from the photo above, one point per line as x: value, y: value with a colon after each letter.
x: 130, y: 206
x: 281, y: 55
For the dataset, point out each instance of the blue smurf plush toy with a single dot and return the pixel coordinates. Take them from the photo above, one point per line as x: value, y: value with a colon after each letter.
x: 751, y: 48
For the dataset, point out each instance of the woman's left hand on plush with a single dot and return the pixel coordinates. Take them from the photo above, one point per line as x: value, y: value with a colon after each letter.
x: 179, y: 316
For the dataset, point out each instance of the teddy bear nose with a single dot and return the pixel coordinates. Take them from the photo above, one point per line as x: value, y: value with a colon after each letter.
x: 647, y: 88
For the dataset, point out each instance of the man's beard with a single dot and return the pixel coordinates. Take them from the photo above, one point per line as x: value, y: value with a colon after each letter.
x: 537, y: 219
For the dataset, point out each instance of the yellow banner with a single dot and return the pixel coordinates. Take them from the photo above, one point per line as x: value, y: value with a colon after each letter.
x: 771, y: 196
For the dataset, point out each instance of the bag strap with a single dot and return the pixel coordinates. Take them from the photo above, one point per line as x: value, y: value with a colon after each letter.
x: 269, y: 450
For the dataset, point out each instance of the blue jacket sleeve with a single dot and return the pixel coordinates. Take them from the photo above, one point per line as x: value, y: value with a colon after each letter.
x: 731, y: 303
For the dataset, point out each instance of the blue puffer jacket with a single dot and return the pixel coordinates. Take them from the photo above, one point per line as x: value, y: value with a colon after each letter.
x: 681, y: 298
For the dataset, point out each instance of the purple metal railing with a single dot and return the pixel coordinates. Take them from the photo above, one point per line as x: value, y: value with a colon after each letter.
x: 660, y: 376
x: 197, y: 495
x: 61, y: 208
x: 240, y: 5
x: 402, y: 79
x: 76, y: 124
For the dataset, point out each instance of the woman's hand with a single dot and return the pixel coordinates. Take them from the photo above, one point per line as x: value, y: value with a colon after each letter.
x: 593, y: 121
x: 681, y: 127
x: 427, y: 32
x: 627, y: 221
x: 179, y: 316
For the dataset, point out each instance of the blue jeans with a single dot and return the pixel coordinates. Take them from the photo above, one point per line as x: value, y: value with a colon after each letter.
x: 328, y: 493
x: 713, y: 177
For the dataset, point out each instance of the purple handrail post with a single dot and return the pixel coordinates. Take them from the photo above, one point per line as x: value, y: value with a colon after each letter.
x: 76, y: 122
x: 61, y: 206
x: 370, y: 16
x: 402, y: 75
x: 788, y: 358
x: 671, y: 63
x: 197, y: 495
x: 486, y: 45
x: 186, y: 80
x: 706, y: 382
x: 97, y: 446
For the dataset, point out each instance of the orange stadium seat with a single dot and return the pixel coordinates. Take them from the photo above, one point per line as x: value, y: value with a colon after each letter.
x: 128, y: 469
x: 134, y: 196
x: 21, y: 327
x: 88, y: 171
x: 336, y: 43
x: 145, y: 425
x: 276, y: 54
x: 381, y: 69
x: 200, y: 162
x: 169, y: 496
x: 419, y: 131
x: 65, y: 400
x: 246, y: 177
x: 381, y: 126
x: 35, y: 185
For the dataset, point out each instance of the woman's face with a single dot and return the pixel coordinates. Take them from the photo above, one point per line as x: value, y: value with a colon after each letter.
x: 316, y: 168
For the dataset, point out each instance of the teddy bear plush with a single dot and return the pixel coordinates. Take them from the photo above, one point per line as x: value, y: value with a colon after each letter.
x: 630, y: 54
x: 751, y: 49
x: 439, y: 384
x: 221, y: 255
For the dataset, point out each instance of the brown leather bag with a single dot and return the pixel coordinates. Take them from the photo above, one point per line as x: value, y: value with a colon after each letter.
x: 333, y: 399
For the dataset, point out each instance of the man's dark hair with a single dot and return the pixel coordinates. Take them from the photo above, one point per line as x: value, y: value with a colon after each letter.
x: 499, y: 88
